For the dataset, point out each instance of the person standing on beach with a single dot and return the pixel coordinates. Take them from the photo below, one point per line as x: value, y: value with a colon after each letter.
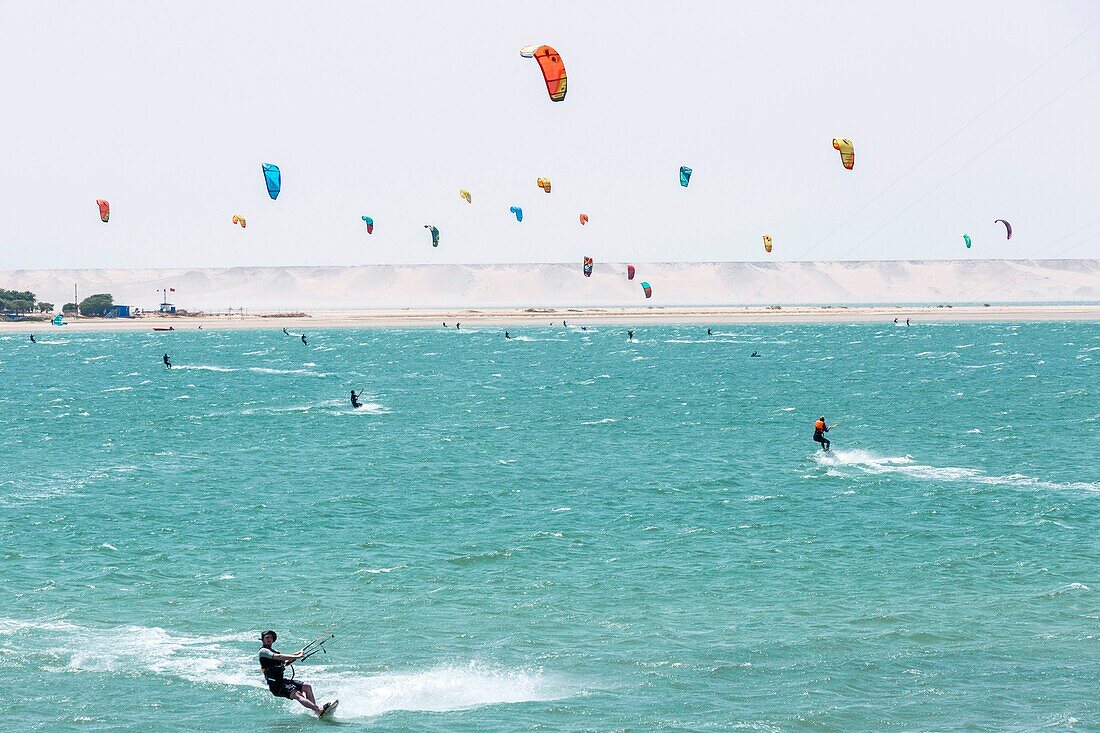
x: 166, y: 362
x: 820, y: 428
x: 273, y: 666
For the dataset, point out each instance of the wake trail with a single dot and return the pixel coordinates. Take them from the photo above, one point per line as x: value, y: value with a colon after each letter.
x: 855, y: 462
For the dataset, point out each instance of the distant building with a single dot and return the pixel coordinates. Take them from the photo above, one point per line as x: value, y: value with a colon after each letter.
x: 165, y: 306
x: 119, y: 311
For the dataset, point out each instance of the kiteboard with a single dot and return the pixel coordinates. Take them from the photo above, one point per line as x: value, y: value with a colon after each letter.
x: 329, y: 709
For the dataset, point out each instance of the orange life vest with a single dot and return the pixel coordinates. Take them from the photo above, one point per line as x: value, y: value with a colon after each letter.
x: 819, y: 425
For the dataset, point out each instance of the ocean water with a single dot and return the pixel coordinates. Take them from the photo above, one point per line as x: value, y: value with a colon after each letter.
x: 564, y: 531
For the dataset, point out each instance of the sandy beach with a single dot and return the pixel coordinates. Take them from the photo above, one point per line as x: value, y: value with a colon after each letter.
x: 545, y: 316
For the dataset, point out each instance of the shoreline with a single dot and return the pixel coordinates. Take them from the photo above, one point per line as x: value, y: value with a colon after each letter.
x: 365, y: 318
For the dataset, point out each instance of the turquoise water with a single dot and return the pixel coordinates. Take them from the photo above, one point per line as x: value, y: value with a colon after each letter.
x: 562, y: 532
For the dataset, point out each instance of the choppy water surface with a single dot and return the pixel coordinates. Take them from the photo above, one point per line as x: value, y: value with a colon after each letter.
x: 565, y: 531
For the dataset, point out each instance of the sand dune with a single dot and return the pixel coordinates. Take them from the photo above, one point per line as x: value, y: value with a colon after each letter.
x: 562, y: 285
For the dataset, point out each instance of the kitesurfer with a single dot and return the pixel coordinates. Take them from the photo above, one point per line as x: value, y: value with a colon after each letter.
x: 444, y: 324
x: 820, y: 428
x: 906, y: 321
x: 895, y: 321
x: 273, y: 666
x: 754, y: 354
x: 285, y: 332
x: 458, y: 326
x: 507, y: 335
x: 709, y: 333
x: 355, y: 399
x: 629, y: 335
x: 32, y: 339
x: 563, y: 324
x: 166, y: 362
x: 304, y: 342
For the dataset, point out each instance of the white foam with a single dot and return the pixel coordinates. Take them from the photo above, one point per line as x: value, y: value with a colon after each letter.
x: 200, y: 659
x: 203, y: 367
x: 869, y: 463
x: 269, y: 370
x: 441, y: 689
x: 599, y: 422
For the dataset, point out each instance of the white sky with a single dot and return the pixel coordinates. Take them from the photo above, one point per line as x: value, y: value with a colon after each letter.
x: 388, y: 108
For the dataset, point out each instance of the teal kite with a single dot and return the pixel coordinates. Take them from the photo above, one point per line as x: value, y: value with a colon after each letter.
x: 518, y: 212
x: 966, y: 238
x: 435, y: 234
x: 685, y: 175
x: 274, y: 180
x: 370, y: 224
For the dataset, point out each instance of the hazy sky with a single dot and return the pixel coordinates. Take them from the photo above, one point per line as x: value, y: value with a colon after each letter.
x: 388, y: 108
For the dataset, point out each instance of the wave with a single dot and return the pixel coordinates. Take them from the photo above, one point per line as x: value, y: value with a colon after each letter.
x: 869, y: 463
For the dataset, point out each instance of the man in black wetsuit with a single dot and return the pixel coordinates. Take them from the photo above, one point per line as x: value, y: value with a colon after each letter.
x: 629, y: 335
x: 273, y: 666
x: 355, y: 399
x: 285, y: 332
x: 32, y: 339
x: 507, y: 335
x: 304, y: 342
x: 709, y: 333
x: 166, y: 362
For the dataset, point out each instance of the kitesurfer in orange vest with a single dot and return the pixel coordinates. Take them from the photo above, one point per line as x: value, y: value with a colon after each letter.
x: 820, y: 428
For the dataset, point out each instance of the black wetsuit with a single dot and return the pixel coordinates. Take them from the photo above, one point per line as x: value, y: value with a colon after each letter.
x: 709, y: 333
x: 166, y: 362
x: 285, y: 332
x: 304, y: 342
x: 274, y: 671
x: 32, y: 339
x: 506, y: 335
x: 355, y: 399
x: 819, y: 436
x: 629, y: 335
